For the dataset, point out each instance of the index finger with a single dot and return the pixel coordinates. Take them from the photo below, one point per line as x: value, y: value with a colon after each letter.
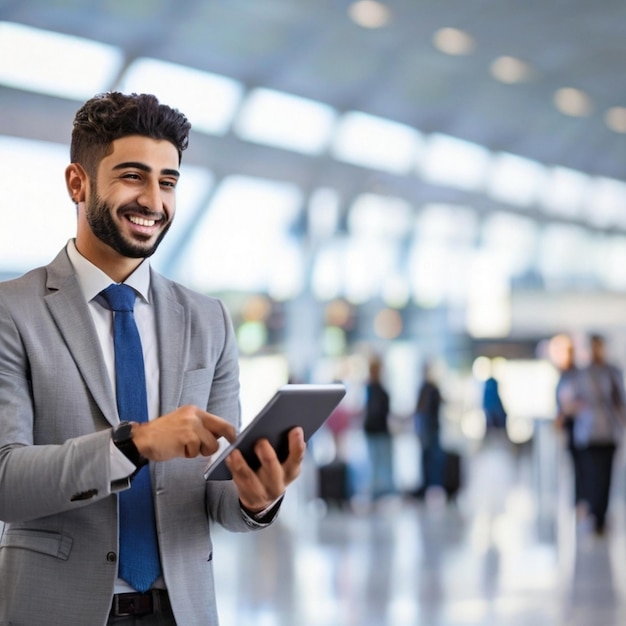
x: 218, y: 426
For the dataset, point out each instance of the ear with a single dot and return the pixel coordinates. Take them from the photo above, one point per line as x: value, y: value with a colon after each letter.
x: 76, y: 181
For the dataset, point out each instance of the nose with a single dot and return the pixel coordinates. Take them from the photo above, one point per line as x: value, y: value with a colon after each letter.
x: 150, y: 197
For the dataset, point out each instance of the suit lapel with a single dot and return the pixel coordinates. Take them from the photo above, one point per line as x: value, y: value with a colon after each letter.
x: 171, y: 338
x: 67, y: 306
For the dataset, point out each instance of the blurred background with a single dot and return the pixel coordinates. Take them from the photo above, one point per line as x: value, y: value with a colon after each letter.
x: 428, y: 182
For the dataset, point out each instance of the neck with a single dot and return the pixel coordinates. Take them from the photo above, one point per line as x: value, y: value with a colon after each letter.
x: 113, y: 264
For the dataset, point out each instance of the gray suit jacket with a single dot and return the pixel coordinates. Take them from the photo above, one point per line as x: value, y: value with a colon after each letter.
x: 58, y: 551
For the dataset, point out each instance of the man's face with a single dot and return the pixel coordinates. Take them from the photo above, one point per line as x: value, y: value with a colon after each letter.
x: 597, y: 350
x: 132, y: 201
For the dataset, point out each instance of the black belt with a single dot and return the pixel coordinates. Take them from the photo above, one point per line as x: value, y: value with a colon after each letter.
x: 138, y: 604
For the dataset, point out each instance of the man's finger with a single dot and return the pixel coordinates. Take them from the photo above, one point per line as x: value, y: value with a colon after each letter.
x: 217, y: 426
x: 297, y: 448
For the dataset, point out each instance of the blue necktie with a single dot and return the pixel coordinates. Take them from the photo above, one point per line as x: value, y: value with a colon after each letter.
x: 139, y: 563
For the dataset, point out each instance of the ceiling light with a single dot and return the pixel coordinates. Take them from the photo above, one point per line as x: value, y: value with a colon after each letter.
x: 208, y: 100
x: 287, y: 121
x: 55, y: 64
x: 515, y: 179
x: 453, y: 41
x: 615, y: 119
x: 376, y: 142
x: 510, y: 70
x: 454, y: 162
x: 574, y: 102
x: 369, y: 13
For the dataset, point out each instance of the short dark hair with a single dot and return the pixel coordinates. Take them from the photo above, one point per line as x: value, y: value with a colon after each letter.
x: 113, y: 115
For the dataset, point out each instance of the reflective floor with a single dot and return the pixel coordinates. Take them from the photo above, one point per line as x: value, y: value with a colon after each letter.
x: 509, y: 551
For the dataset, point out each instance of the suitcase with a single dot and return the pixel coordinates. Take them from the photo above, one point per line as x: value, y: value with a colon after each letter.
x: 334, y: 483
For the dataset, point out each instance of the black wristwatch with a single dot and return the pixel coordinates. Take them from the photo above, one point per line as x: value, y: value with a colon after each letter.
x: 123, y: 441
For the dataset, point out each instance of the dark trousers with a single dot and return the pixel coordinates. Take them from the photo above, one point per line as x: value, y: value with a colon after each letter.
x: 576, y: 454
x: 597, y: 471
x: 433, y: 463
x: 577, y: 469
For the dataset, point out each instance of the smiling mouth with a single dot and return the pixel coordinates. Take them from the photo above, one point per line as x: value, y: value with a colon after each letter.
x: 141, y: 221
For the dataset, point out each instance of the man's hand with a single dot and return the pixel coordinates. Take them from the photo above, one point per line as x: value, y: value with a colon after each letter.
x: 258, y: 489
x: 186, y: 432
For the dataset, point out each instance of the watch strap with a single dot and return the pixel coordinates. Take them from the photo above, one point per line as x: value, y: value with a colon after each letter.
x: 123, y: 441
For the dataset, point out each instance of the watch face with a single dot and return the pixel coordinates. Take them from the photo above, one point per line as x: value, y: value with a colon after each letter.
x: 122, y: 432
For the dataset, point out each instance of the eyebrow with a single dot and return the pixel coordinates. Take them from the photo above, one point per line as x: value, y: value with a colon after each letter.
x: 145, y: 168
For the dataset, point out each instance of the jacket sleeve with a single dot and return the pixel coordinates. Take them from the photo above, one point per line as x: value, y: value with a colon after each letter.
x: 40, y: 480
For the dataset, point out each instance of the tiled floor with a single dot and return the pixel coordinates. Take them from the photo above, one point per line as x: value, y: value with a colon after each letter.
x: 509, y: 552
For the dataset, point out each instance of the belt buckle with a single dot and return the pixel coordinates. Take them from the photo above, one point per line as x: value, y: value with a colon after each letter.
x: 132, y: 602
x: 116, y: 607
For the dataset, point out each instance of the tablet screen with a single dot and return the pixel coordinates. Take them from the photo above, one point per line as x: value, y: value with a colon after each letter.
x: 306, y: 405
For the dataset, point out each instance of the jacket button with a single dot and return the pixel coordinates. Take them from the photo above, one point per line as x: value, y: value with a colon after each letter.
x: 111, y: 557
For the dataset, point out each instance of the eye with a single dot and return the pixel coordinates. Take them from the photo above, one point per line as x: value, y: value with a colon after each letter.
x: 171, y: 184
x: 131, y: 176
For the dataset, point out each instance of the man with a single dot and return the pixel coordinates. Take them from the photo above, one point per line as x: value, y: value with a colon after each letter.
x: 427, y: 426
x: 598, y: 428
x: 65, y: 458
x: 377, y: 435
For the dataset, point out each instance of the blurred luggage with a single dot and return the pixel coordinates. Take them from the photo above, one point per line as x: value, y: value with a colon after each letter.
x: 334, y: 483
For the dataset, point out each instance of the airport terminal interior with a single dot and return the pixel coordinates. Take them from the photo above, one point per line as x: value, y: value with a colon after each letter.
x: 426, y: 182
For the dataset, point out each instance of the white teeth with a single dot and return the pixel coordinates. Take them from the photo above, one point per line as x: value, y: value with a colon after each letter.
x: 140, y: 221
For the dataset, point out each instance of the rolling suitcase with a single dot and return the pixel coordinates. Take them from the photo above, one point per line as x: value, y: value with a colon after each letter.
x: 334, y: 483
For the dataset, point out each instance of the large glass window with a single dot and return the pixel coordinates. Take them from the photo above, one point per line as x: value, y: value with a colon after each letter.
x: 37, y: 219
x: 244, y: 239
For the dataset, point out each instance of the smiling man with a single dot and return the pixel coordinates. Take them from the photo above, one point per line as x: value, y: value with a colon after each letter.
x: 107, y: 409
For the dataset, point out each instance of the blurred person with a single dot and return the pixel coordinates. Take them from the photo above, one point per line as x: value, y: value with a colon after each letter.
x: 338, y: 423
x: 566, y: 390
x: 377, y: 434
x: 427, y: 426
x: 598, y: 427
x: 495, y: 414
x: 87, y: 449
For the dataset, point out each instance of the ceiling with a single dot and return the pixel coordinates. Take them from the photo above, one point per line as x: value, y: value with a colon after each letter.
x: 311, y: 48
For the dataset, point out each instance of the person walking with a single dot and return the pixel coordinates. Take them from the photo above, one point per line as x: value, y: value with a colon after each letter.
x: 427, y: 426
x: 598, y: 427
x: 376, y: 428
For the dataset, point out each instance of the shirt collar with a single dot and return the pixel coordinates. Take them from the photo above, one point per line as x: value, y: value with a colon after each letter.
x: 93, y: 280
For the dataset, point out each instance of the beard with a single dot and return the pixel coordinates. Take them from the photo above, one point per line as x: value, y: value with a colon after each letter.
x: 99, y: 216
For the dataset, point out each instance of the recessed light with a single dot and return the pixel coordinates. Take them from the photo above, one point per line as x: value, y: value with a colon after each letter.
x: 574, y: 102
x: 369, y: 13
x: 510, y: 70
x: 615, y: 119
x: 453, y: 41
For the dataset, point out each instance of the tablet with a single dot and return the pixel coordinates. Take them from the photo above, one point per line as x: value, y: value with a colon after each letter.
x: 292, y: 405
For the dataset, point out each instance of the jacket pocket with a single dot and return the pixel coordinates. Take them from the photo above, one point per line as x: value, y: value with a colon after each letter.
x: 50, y: 543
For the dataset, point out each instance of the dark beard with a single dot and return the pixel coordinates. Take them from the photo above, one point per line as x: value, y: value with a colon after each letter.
x: 100, y: 220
